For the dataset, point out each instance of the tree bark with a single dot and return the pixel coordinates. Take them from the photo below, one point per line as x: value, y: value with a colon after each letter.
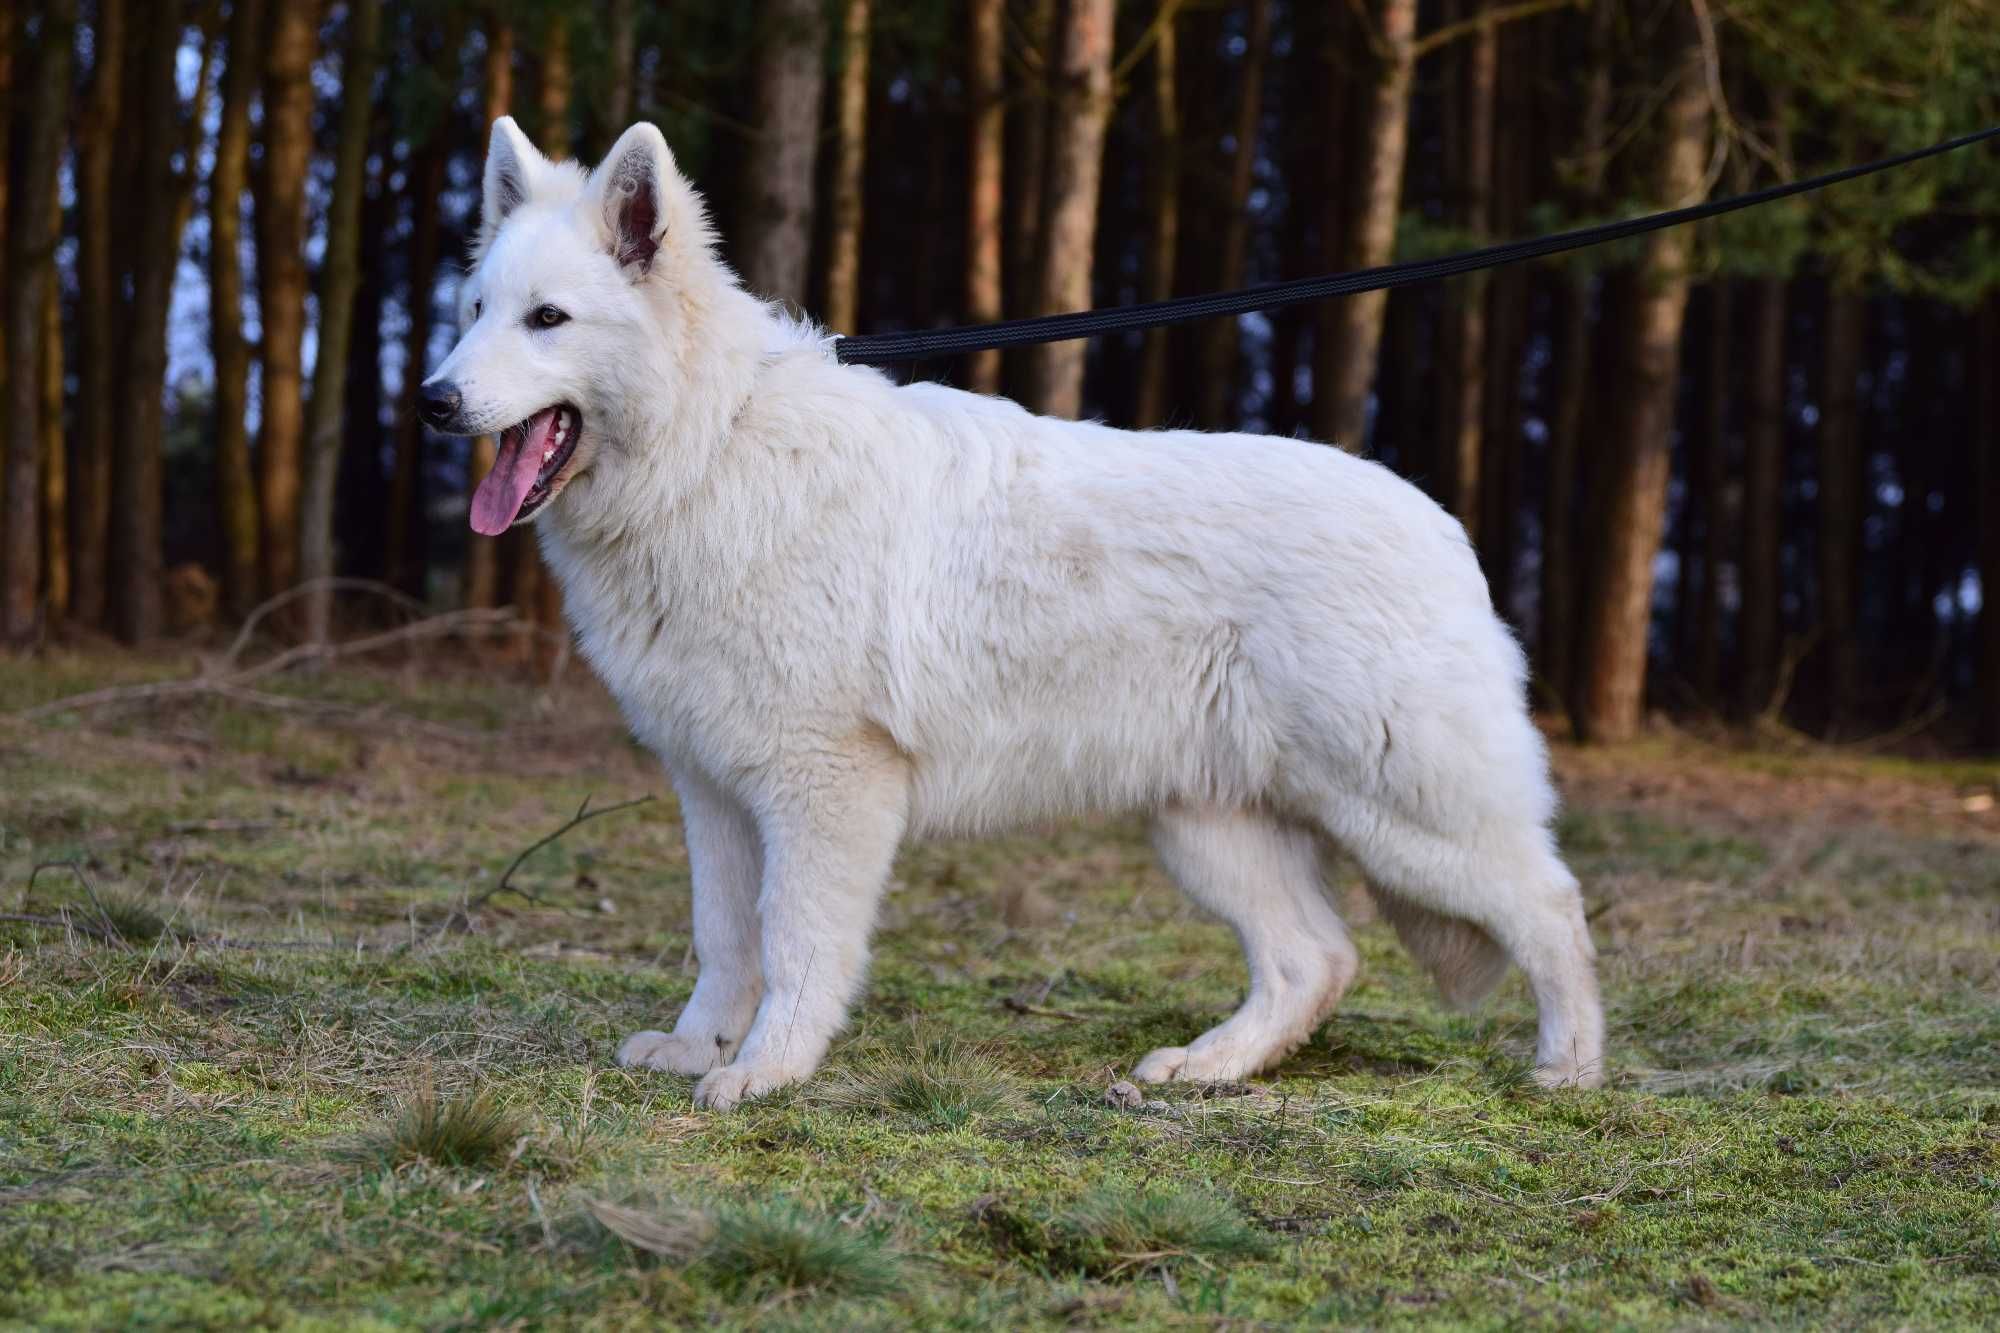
x: 159, y: 200
x: 622, y: 29
x: 1034, y: 115
x: 1708, y: 466
x: 1611, y: 693
x: 843, y: 259
x: 1163, y: 206
x: 30, y: 270
x: 98, y: 301
x: 1340, y: 406
x: 1763, y: 497
x: 55, y: 461
x: 1220, y: 337
x: 1465, y: 419
x: 482, y: 554
x: 1986, y: 374
x: 1561, y: 574
x: 1076, y: 159
x: 986, y: 51
x: 282, y: 280
x: 1840, y: 503
x: 777, y: 239
x: 340, y: 279
x: 235, y: 480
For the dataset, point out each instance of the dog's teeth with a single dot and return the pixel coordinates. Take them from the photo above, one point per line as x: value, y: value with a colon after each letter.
x: 547, y: 454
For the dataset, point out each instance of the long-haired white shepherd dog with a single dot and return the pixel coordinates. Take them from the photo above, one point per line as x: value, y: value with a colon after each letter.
x: 844, y: 612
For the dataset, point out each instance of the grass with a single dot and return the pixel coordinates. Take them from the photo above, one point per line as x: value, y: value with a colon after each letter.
x: 1801, y: 1126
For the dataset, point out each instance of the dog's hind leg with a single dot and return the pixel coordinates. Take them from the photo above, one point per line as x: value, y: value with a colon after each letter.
x: 1262, y: 877
x: 1505, y: 882
x: 723, y: 852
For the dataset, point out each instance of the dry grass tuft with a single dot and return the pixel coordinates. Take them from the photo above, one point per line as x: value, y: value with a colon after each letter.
x: 1118, y: 1231
x: 471, y: 1129
x: 940, y: 1082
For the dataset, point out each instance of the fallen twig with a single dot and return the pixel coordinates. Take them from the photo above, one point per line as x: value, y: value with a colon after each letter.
x: 1018, y: 1006
x: 583, y: 814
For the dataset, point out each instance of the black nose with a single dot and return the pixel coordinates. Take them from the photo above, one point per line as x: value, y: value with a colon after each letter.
x: 438, y: 402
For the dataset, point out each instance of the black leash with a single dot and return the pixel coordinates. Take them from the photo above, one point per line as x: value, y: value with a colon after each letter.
x: 876, y: 349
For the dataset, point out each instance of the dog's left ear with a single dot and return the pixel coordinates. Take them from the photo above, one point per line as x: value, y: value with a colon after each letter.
x: 631, y: 185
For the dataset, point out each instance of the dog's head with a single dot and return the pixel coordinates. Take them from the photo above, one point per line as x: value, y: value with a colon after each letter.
x: 579, y: 293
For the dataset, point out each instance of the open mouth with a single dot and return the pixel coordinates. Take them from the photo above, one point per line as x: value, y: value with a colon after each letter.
x: 528, y: 469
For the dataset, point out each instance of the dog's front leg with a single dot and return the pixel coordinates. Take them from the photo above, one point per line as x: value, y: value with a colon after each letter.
x: 828, y: 843
x: 727, y: 865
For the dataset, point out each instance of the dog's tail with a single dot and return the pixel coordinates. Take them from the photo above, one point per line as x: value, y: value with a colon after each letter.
x: 1464, y: 960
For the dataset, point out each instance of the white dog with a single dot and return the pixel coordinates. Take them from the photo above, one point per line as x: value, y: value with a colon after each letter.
x: 844, y: 612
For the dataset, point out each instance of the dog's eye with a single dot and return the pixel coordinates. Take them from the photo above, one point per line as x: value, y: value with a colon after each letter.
x: 547, y: 317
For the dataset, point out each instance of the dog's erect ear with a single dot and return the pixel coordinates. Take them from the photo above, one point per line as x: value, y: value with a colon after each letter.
x: 512, y: 166
x: 631, y: 186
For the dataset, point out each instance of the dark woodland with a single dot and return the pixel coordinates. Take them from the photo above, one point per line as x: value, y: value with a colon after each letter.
x: 1743, y: 474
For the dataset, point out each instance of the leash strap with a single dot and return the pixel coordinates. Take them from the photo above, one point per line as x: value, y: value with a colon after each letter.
x: 877, y: 349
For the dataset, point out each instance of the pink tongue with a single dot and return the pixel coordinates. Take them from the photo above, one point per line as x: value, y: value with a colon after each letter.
x: 503, y: 490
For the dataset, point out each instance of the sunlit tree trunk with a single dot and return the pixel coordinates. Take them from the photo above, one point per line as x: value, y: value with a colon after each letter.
x: 1639, y: 429
x: 1220, y: 337
x: 1028, y: 165
x: 1163, y: 207
x: 1340, y: 406
x: 843, y: 259
x: 44, y: 111
x: 986, y: 51
x: 482, y: 554
x: 777, y: 235
x: 340, y: 278
x: 97, y: 317
x: 1076, y: 159
x: 622, y: 34
x: 281, y: 281
x: 1840, y: 503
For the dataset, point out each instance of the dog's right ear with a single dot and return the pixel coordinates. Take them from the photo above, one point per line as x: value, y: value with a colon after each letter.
x: 513, y: 165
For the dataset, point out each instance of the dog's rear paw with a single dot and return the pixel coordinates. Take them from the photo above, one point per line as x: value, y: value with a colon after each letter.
x: 1162, y: 1066
x: 671, y: 1053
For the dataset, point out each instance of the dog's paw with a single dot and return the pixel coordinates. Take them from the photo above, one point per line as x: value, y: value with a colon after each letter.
x: 1162, y: 1066
x: 671, y: 1053
x: 1569, y: 1074
x: 1213, y: 1063
x: 721, y: 1089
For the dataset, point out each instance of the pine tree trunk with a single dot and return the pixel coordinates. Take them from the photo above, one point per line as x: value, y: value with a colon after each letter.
x: 339, y: 281
x: 1763, y: 498
x: 55, y: 461
x: 843, y: 260
x: 777, y: 235
x: 97, y: 315
x: 1709, y: 486
x: 1840, y: 503
x: 9, y: 28
x: 1646, y: 366
x: 281, y: 280
x: 482, y: 554
x: 986, y: 51
x: 1466, y: 306
x: 235, y: 481
x: 1035, y: 114
x: 1340, y: 405
x: 1562, y: 574
x: 1076, y: 161
x: 1986, y: 375
x: 1220, y: 337
x: 622, y: 29
x: 44, y: 109
x: 1163, y: 208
